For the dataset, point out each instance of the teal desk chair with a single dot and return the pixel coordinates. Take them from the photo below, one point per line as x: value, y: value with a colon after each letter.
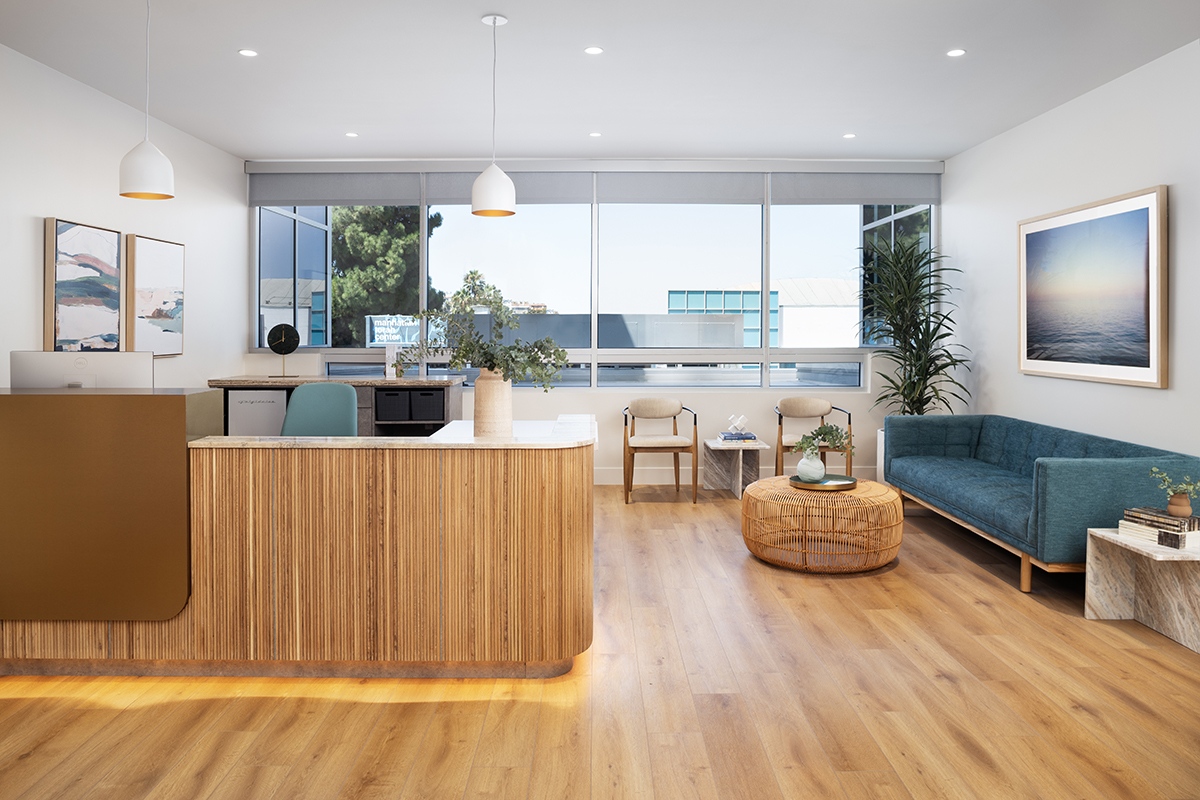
x: 322, y: 409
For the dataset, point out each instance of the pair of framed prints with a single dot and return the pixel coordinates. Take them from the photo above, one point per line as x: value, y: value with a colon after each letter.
x: 105, y: 291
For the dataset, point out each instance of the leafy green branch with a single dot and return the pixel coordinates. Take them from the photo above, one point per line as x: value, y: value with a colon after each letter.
x: 453, y: 334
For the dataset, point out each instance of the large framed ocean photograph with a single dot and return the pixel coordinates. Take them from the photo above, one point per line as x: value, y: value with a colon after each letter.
x: 1094, y: 291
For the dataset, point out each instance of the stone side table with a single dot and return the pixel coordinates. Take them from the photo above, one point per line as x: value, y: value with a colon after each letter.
x: 1157, y: 586
x: 731, y: 465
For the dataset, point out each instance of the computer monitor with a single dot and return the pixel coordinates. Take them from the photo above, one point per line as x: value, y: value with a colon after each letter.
x: 36, y: 369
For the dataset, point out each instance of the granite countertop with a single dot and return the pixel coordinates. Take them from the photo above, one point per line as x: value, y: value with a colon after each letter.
x: 296, y: 380
x: 1151, y: 551
x: 569, y: 430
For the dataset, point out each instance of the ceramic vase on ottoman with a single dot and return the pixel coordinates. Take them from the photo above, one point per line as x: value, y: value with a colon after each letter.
x: 811, y: 469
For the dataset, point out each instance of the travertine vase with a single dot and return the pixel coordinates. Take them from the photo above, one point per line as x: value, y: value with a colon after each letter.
x: 493, y: 405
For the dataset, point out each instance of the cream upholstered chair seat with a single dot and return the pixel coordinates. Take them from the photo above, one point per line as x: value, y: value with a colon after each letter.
x: 651, y: 440
x: 652, y: 408
x: 809, y: 408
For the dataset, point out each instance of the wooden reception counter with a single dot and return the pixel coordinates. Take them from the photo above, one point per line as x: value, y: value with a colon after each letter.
x: 446, y: 555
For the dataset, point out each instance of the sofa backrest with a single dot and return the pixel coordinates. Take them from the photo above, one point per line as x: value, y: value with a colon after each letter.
x: 1015, y: 444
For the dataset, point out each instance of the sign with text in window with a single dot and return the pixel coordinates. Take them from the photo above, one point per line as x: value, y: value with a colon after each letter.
x: 385, y: 329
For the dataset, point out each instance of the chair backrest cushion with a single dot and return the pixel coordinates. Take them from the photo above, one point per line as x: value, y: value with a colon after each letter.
x: 322, y: 409
x: 804, y: 407
x: 1016, y: 444
x: 655, y: 407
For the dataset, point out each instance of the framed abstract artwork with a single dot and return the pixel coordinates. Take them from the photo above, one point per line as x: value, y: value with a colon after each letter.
x: 84, y: 287
x: 1094, y: 291
x: 154, y: 308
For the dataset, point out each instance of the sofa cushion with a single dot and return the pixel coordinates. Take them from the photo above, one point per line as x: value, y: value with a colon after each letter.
x: 1016, y: 445
x: 997, y: 500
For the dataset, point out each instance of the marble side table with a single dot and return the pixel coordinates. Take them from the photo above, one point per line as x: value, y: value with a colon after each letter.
x: 1157, y: 586
x: 731, y: 464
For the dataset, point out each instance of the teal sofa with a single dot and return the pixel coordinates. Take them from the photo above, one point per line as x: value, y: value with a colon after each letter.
x: 1033, y: 489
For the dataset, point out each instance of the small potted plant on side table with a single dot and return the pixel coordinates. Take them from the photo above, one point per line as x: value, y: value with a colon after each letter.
x: 1181, y: 492
x: 828, y: 437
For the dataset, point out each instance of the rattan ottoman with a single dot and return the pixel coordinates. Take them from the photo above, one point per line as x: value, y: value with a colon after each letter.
x: 851, y: 531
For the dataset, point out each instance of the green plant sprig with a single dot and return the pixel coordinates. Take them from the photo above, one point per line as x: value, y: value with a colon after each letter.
x: 453, y: 335
x: 1186, y: 486
x: 830, y: 435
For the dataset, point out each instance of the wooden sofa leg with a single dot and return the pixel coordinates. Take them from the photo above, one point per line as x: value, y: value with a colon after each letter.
x: 1026, y: 573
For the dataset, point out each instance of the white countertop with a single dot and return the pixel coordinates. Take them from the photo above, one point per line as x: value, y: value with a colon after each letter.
x: 569, y: 430
x: 1151, y: 551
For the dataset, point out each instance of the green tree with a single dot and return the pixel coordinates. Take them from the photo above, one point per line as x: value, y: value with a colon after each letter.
x: 376, y: 267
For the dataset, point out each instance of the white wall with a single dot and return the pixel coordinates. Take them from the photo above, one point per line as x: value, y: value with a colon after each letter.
x: 1138, y: 131
x: 60, y: 147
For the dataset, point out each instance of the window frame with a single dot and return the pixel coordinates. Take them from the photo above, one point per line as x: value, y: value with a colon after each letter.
x: 760, y: 357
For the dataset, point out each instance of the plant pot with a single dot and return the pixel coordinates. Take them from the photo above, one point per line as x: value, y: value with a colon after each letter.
x: 493, y: 405
x: 1180, y: 505
x: 880, y: 451
x: 811, y: 469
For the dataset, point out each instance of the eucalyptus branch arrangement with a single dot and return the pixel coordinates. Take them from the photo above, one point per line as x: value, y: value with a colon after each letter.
x: 453, y: 335
x: 832, y: 436
x: 906, y: 304
x: 1186, y: 486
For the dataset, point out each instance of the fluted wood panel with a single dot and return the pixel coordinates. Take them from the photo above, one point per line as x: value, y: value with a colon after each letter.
x: 517, y: 543
x: 230, y: 615
x: 411, y: 548
x: 53, y: 639
x: 328, y: 546
x: 368, y: 555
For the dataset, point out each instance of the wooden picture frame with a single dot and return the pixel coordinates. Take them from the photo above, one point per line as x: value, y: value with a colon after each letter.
x: 84, y: 287
x: 155, y: 303
x: 1093, y: 281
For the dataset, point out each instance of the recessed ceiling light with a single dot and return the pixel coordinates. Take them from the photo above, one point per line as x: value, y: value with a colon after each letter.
x: 593, y: 51
x: 848, y: 135
x: 352, y: 135
x: 956, y: 53
x: 248, y: 53
x: 593, y: 134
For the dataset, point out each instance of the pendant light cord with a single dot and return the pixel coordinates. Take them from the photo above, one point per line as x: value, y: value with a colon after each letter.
x: 148, y: 73
x: 495, y: 24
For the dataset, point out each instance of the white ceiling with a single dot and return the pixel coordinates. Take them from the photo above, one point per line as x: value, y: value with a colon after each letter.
x: 697, y: 79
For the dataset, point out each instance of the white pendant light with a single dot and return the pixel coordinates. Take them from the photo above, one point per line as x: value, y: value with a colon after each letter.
x: 493, y: 193
x: 146, y: 174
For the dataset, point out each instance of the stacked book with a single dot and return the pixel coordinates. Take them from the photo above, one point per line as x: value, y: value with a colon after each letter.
x: 1156, y: 526
x: 737, y: 436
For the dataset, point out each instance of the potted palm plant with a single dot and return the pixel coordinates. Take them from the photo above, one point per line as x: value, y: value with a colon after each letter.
x: 454, y: 335
x: 906, y: 309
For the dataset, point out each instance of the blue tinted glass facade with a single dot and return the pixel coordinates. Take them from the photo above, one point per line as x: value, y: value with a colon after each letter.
x: 729, y: 302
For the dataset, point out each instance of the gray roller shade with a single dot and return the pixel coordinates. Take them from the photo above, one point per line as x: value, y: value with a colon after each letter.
x: 533, y: 188
x: 335, y: 189
x: 679, y: 187
x: 855, y: 188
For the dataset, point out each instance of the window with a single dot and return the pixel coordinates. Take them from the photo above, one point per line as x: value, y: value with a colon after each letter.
x: 815, y: 275
x: 294, y: 273
x: 665, y: 269
x: 645, y: 278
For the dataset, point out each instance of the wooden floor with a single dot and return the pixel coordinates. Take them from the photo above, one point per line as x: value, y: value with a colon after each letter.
x: 712, y: 675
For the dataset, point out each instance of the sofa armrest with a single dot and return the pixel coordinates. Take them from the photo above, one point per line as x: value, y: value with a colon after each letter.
x: 952, y: 435
x: 1071, y: 495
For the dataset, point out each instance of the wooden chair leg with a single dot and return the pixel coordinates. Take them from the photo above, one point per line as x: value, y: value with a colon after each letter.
x: 677, y: 473
x: 695, y: 470
x: 628, y: 475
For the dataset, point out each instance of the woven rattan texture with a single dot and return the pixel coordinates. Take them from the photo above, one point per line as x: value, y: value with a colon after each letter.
x: 852, y: 531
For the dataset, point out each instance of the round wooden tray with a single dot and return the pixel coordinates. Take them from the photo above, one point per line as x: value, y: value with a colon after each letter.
x: 831, y: 483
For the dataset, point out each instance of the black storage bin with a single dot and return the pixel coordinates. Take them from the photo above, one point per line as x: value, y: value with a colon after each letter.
x: 427, y: 404
x: 391, y: 405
